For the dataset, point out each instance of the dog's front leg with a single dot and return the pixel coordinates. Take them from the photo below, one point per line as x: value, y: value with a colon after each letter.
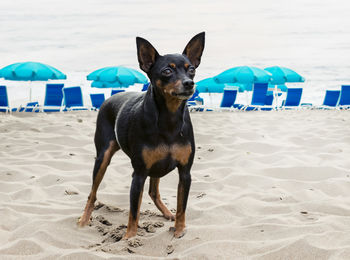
x: 136, y: 192
x: 183, y: 190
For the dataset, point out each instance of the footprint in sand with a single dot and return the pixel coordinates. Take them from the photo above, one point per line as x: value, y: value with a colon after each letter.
x: 70, y: 192
x: 112, y: 234
x: 103, y: 221
x: 150, y: 227
x: 135, y: 242
x: 169, y: 249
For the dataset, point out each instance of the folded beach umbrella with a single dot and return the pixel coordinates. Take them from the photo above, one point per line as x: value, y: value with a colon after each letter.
x: 119, y: 76
x: 31, y: 71
x: 245, y: 75
x: 209, y: 85
x: 281, y: 75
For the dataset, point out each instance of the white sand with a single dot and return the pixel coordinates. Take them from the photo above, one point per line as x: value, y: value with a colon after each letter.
x: 266, y: 185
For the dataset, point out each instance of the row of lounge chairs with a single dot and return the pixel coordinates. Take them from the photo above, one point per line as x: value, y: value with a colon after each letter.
x: 262, y: 99
x: 60, y: 98
x: 57, y: 98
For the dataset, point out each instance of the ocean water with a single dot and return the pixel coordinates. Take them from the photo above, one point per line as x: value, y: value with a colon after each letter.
x: 78, y: 36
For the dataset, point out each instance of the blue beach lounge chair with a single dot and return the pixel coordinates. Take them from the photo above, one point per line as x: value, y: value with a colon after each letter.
x: 53, y: 98
x: 30, y: 107
x: 330, y: 99
x: 293, y: 98
x: 258, y: 98
x: 97, y: 100
x: 145, y: 86
x: 269, y: 98
x: 116, y: 91
x: 268, y: 101
x: 73, y: 98
x: 344, y: 99
x: 196, y: 103
x: 192, y: 100
x: 4, y: 101
x: 228, y: 98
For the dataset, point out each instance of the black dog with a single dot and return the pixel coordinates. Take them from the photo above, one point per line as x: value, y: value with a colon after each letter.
x: 154, y: 129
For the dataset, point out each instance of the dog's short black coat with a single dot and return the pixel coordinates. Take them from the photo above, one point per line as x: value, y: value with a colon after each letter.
x: 153, y: 128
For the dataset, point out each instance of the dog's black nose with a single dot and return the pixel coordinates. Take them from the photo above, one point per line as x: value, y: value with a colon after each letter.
x: 188, y: 84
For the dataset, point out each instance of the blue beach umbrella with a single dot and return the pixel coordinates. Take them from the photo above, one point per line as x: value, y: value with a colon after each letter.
x: 209, y: 85
x: 281, y: 75
x: 31, y: 71
x: 119, y: 76
x: 245, y: 75
x: 106, y: 84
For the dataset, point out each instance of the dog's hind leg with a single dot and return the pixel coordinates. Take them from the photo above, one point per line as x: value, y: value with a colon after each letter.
x: 155, y: 196
x: 106, y: 146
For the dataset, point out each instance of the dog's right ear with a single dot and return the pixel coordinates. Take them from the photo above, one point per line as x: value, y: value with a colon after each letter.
x: 146, y: 54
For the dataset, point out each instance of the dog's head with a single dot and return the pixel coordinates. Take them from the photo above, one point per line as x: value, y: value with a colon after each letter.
x: 171, y: 74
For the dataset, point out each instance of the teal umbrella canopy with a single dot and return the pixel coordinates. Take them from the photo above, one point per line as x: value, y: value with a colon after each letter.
x: 244, y: 75
x: 106, y: 84
x: 30, y: 71
x: 209, y: 85
x: 118, y: 75
x: 281, y: 75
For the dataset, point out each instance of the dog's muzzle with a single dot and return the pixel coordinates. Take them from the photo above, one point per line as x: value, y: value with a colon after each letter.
x: 187, y: 94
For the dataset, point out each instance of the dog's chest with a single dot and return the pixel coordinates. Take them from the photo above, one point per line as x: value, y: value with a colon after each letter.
x: 166, y: 157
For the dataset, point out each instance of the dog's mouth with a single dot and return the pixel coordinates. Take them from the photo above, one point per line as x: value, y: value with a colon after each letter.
x: 183, y: 95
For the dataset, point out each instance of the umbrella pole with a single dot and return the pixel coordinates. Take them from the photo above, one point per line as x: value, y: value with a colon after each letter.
x: 276, y: 97
x: 30, y: 91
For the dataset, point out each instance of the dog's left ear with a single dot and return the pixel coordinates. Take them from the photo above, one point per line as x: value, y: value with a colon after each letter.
x: 194, y: 49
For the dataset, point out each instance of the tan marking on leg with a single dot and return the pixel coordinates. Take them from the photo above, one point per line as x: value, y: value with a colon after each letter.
x: 180, y: 213
x: 181, y: 153
x: 155, y: 196
x: 131, y: 230
x: 152, y: 155
x: 85, y: 218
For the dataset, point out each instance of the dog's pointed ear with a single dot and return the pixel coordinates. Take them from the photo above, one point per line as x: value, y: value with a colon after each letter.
x: 194, y: 49
x: 146, y: 54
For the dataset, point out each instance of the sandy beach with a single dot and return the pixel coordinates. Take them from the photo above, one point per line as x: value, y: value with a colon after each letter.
x: 266, y: 185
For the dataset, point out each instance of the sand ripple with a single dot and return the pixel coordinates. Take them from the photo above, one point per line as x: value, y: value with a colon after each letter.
x: 265, y: 186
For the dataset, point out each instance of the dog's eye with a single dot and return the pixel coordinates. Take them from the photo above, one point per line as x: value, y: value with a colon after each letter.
x: 167, y: 72
x: 191, y: 71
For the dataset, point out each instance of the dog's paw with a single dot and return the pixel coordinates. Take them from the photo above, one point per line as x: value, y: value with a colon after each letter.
x: 82, y: 222
x: 178, y: 233
x: 169, y: 216
x: 128, y: 235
